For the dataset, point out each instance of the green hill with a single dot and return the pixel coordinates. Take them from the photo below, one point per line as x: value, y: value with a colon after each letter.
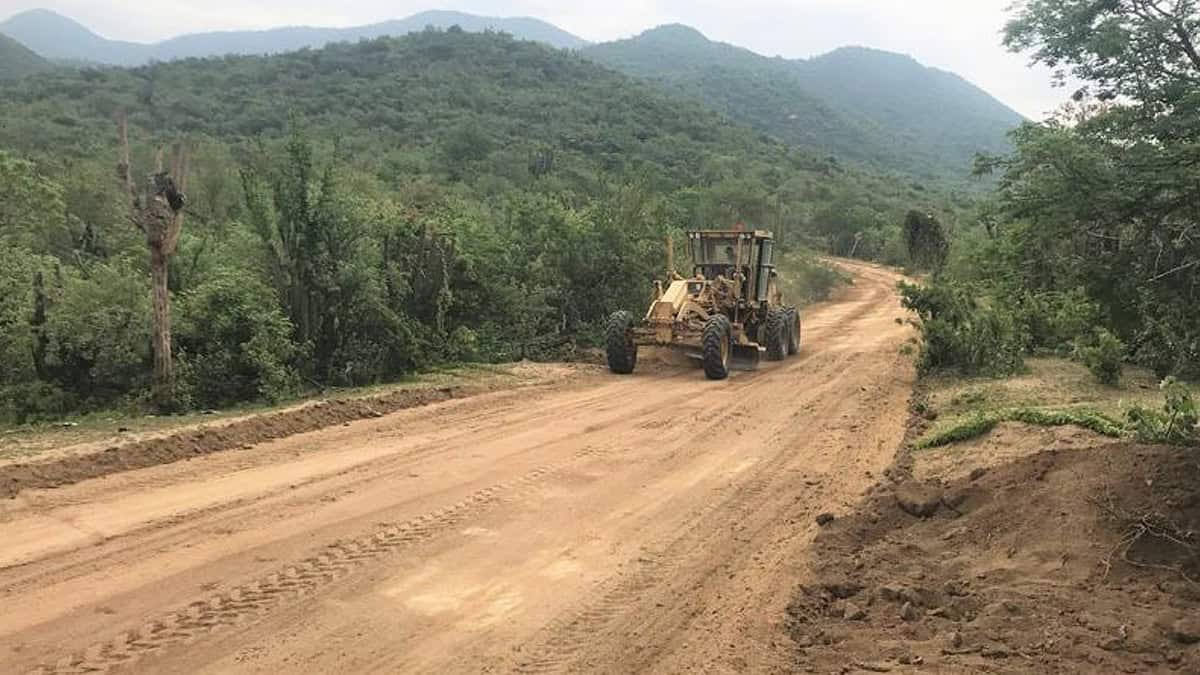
x: 876, y: 108
x: 18, y: 61
x: 470, y: 107
x: 57, y: 37
x: 950, y: 118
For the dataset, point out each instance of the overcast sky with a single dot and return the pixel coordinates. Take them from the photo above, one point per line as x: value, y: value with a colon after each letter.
x: 958, y: 35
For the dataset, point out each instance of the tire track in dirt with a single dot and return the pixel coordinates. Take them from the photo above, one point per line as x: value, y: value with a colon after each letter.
x: 565, y: 638
x: 386, y: 467
x: 247, y: 602
x: 304, y: 577
x: 634, y: 495
x: 564, y: 643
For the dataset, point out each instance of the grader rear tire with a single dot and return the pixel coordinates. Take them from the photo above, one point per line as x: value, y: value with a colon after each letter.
x: 775, y: 335
x: 718, y: 345
x: 793, y: 322
x: 621, y: 350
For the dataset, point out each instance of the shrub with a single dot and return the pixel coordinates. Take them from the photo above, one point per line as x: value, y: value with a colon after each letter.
x: 805, y: 279
x: 959, y: 334
x: 1054, y: 321
x: 926, y: 240
x: 234, y: 343
x: 98, y: 334
x: 1175, y: 423
x: 18, y: 269
x: 34, y: 402
x: 1103, y: 354
x: 1169, y: 341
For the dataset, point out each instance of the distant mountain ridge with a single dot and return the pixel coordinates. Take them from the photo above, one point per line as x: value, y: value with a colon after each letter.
x: 17, y: 60
x: 862, y: 105
x: 866, y: 105
x: 57, y: 37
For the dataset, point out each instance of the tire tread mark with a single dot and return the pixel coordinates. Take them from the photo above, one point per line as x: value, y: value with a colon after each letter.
x: 565, y: 638
x: 255, y: 598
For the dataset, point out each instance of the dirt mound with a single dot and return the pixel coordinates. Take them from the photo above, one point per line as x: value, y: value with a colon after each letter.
x: 241, y: 433
x: 1075, y: 560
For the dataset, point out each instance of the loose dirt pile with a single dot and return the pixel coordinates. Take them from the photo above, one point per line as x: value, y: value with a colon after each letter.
x: 1067, y: 560
x: 92, y: 460
x: 243, y: 433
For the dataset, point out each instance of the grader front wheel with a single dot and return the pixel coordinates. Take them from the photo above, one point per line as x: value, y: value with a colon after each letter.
x: 621, y: 350
x: 718, y: 345
x: 775, y: 334
x: 793, y: 323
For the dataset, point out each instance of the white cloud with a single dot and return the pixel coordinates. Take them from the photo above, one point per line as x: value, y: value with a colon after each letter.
x: 962, y: 36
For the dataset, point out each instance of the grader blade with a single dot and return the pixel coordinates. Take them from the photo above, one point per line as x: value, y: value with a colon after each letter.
x: 746, y: 357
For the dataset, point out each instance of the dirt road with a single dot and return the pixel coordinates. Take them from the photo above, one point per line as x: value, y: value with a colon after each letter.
x: 611, y: 524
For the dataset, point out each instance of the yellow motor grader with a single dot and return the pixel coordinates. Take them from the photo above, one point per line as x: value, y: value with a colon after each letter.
x: 728, y: 314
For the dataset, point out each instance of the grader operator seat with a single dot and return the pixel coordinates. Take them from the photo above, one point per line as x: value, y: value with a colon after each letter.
x: 723, y: 253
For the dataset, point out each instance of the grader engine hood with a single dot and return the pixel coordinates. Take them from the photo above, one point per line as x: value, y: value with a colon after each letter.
x: 679, y: 303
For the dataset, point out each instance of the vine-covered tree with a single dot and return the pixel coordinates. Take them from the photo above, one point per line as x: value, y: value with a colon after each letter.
x: 926, y: 241
x: 156, y: 208
x: 1109, y: 190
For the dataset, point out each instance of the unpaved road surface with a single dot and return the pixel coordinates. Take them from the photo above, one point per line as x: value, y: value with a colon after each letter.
x: 611, y: 524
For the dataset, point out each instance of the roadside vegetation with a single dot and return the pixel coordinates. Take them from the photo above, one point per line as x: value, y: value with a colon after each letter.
x: 807, y: 278
x: 362, y: 212
x: 1089, y: 249
x: 1053, y: 392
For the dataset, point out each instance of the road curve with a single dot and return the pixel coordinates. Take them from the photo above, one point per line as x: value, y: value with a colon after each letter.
x: 656, y: 522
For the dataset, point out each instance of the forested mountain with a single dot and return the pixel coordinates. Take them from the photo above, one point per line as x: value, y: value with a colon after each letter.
x: 873, y: 107
x: 16, y: 60
x: 54, y: 36
x: 361, y: 210
x: 938, y: 116
x: 449, y: 104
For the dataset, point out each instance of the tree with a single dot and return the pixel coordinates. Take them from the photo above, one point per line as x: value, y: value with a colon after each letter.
x: 1142, y: 50
x: 927, y: 244
x: 32, y: 207
x: 156, y: 208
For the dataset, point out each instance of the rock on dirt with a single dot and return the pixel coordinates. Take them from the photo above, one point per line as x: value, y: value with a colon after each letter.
x: 918, y: 499
x: 852, y: 612
x: 825, y: 519
x: 1185, y: 630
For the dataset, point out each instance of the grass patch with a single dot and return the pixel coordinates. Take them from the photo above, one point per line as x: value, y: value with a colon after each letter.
x: 979, y: 423
x: 1055, y: 392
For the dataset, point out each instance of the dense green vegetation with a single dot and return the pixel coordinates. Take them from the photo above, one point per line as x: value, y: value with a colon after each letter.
x: 871, y: 107
x: 362, y: 211
x: 1095, y: 220
x: 17, y: 60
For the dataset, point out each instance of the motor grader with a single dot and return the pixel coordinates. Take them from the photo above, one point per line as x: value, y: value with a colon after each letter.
x: 728, y: 314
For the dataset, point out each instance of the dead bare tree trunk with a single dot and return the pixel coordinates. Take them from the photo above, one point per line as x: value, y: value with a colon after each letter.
x: 156, y: 208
